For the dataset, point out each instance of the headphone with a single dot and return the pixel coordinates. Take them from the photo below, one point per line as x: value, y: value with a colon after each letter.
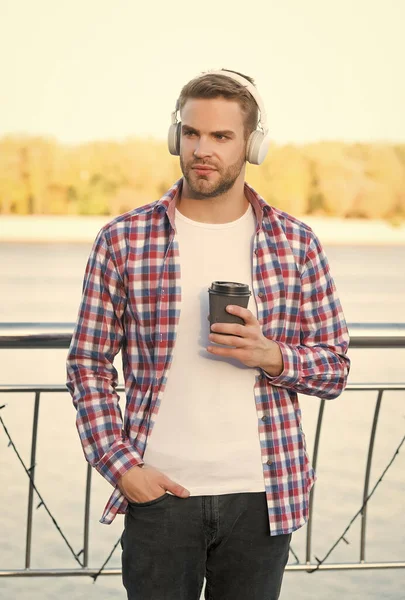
x: 259, y: 140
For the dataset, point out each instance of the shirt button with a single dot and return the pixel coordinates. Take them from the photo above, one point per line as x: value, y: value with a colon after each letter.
x: 265, y: 417
x: 261, y: 295
x: 269, y: 462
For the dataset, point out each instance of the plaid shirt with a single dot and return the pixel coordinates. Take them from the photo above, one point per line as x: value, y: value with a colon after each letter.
x: 131, y: 302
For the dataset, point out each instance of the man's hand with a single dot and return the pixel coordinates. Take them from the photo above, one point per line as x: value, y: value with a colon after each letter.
x: 251, y: 347
x: 143, y: 484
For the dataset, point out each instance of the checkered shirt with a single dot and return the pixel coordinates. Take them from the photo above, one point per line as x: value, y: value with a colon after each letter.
x: 131, y: 302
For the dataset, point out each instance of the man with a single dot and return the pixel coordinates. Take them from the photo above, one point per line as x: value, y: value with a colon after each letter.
x: 224, y: 480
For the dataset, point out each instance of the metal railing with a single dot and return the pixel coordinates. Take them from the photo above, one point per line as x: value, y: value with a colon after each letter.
x: 58, y: 335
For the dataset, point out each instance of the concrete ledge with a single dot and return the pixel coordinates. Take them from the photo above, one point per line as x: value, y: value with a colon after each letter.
x: 73, y: 229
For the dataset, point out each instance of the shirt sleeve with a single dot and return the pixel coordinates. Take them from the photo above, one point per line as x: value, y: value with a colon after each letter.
x: 91, y: 376
x: 318, y: 366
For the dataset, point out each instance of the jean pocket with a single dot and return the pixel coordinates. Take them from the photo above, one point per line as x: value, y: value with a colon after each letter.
x: 149, y: 502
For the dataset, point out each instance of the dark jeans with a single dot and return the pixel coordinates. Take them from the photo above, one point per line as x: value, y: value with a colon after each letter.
x: 170, y: 544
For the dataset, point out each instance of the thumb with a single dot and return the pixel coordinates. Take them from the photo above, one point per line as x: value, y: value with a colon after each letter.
x: 176, y: 489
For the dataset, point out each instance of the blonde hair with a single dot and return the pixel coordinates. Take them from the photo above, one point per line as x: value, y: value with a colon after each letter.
x: 216, y: 86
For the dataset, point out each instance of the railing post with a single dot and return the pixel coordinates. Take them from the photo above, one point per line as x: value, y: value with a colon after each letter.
x: 314, y: 464
x: 87, y: 518
x: 367, y: 477
x: 32, y: 477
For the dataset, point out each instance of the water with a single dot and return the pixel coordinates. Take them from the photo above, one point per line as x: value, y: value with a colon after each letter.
x: 42, y: 282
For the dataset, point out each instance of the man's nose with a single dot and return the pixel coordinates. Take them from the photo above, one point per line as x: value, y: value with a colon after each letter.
x: 203, y: 148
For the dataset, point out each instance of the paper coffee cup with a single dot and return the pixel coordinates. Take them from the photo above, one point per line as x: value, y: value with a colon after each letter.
x: 223, y: 293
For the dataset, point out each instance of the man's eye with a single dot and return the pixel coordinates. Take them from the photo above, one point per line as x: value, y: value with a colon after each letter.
x: 188, y: 133
x: 219, y: 136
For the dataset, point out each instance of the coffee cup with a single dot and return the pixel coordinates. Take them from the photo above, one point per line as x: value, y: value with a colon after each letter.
x: 223, y: 293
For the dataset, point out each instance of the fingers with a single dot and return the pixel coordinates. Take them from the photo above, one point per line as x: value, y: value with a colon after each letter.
x: 221, y: 351
x: 227, y: 340
x: 243, y: 313
x: 229, y: 328
x: 175, y: 488
x: 250, y: 322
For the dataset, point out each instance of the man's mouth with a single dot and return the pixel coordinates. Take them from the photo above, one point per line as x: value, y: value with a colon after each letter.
x: 201, y: 169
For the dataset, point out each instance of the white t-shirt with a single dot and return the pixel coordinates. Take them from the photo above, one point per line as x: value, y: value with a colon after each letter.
x: 206, y: 435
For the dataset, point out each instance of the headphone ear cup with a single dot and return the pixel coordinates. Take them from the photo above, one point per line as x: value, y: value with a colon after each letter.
x: 257, y: 147
x: 173, y: 139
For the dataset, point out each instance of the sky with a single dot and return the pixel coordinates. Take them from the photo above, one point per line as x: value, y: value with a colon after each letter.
x: 82, y: 70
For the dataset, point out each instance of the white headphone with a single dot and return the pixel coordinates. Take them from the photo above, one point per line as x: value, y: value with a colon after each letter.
x: 259, y: 140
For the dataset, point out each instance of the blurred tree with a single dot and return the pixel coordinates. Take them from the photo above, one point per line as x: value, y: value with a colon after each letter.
x: 285, y: 178
x: 382, y: 194
x: 38, y: 175
x: 336, y: 177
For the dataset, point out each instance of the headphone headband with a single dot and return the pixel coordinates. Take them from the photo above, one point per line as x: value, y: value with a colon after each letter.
x: 250, y: 88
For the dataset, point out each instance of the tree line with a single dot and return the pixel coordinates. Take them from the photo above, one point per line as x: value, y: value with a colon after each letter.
x: 42, y: 176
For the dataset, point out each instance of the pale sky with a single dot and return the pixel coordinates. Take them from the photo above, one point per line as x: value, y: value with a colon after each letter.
x: 82, y: 70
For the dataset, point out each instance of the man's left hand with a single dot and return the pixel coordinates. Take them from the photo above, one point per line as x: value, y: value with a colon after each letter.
x: 251, y: 348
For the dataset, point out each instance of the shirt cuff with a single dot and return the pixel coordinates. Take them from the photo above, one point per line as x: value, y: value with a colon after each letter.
x: 290, y: 373
x: 118, y: 461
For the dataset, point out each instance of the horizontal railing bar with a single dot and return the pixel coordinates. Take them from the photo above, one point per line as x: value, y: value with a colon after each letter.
x: 35, y: 335
x: 14, y: 389
x: 59, y: 335
x: 291, y: 568
x: 383, y: 342
x: 57, y: 572
x: 37, y: 387
x: 372, y: 387
x: 346, y: 566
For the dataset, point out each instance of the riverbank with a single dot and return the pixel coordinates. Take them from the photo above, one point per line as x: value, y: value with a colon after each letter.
x: 76, y: 229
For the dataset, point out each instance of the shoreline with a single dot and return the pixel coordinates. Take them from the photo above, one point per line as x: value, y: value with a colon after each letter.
x: 83, y: 229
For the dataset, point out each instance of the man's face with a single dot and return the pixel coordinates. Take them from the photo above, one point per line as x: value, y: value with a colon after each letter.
x: 212, y: 138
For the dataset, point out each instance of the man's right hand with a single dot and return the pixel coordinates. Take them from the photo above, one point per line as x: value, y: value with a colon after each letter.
x: 143, y: 484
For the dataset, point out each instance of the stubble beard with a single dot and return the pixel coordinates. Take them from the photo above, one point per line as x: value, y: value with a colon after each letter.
x: 200, y: 186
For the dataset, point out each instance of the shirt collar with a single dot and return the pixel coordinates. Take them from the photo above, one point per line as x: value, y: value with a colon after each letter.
x: 167, y: 203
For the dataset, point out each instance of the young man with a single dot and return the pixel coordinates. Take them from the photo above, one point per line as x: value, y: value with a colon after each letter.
x: 224, y: 480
